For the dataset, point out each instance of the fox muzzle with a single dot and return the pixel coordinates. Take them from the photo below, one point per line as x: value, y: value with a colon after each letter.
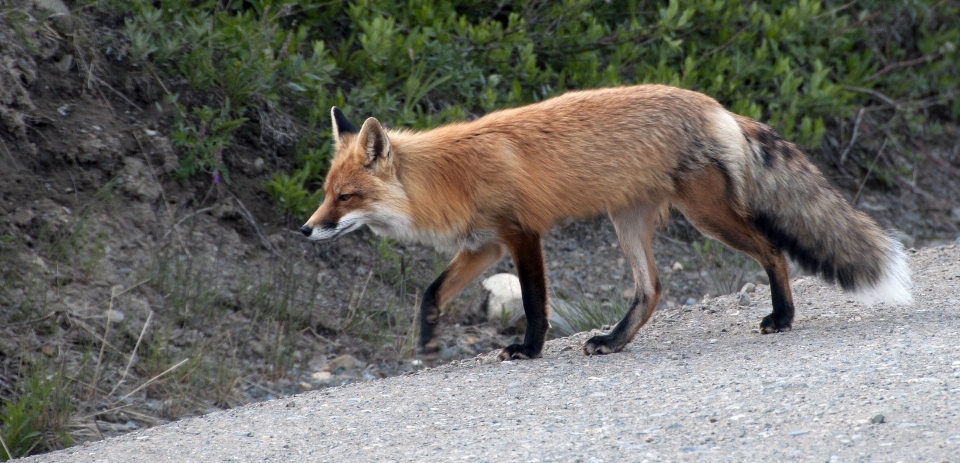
x: 330, y: 230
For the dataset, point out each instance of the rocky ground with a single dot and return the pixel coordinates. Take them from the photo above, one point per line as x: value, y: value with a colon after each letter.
x: 849, y: 383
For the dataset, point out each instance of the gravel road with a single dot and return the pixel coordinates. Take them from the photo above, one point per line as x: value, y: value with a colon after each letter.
x: 849, y: 383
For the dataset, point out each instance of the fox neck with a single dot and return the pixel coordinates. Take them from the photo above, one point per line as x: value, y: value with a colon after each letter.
x: 442, y: 188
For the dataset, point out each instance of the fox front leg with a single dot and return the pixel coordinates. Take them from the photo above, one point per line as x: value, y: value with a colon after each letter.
x: 465, y: 267
x: 527, y: 253
x: 429, y: 315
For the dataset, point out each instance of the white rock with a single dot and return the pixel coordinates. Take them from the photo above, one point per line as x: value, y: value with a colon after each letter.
x: 505, y: 305
x: 115, y: 316
x: 677, y: 267
x: 504, y: 302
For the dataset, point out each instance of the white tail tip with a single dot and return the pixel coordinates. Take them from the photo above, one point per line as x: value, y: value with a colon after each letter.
x: 894, y: 285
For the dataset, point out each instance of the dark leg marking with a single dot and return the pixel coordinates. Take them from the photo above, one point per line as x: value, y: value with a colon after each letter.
x: 430, y: 315
x: 528, y: 257
x: 781, y: 319
x: 617, y: 339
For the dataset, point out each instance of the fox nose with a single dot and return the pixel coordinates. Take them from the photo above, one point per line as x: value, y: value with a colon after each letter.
x: 306, y: 230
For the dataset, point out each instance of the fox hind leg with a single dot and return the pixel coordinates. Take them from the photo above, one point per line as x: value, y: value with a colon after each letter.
x: 635, y: 226
x: 782, y: 317
x: 713, y: 215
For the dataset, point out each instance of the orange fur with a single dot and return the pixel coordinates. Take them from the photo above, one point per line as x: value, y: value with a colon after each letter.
x: 499, y: 182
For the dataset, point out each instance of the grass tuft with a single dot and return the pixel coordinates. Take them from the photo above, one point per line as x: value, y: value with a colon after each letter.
x: 725, y: 268
x: 36, y: 420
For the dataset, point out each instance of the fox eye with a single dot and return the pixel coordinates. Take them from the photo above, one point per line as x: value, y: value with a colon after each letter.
x: 344, y: 197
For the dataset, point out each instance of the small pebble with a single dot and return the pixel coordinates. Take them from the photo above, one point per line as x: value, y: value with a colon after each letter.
x: 744, y: 299
x: 877, y: 419
x: 49, y: 350
x: 345, y: 361
x: 677, y: 267
x: 748, y: 288
x: 115, y: 316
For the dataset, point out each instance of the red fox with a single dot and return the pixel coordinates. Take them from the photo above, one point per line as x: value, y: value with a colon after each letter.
x: 498, y: 183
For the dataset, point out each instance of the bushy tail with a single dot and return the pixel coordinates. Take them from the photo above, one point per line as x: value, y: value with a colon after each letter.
x: 792, y: 203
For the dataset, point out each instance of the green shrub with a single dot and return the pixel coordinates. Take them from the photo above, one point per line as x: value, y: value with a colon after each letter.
x: 289, y: 190
x: 202, y: 135
x: 236, y: 59
x: 802, y: 66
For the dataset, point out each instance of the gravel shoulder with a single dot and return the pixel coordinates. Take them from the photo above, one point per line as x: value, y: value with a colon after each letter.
x: 698, y: 384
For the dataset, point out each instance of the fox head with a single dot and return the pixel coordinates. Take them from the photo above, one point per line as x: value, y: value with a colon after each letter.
x: 362, y: 187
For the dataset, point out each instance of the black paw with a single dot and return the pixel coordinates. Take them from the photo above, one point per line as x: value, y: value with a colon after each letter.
x: 519, y: 351
x: 606, y: 344
x: 773, y: 324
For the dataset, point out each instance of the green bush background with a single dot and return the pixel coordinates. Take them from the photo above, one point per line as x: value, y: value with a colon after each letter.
x: 807, y: 68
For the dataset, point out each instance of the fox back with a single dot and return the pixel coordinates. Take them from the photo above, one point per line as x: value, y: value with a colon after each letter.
x: 576, y: 155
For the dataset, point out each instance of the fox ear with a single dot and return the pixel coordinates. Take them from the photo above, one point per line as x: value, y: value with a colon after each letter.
x: 341, y: 125
x: 376, y: 145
